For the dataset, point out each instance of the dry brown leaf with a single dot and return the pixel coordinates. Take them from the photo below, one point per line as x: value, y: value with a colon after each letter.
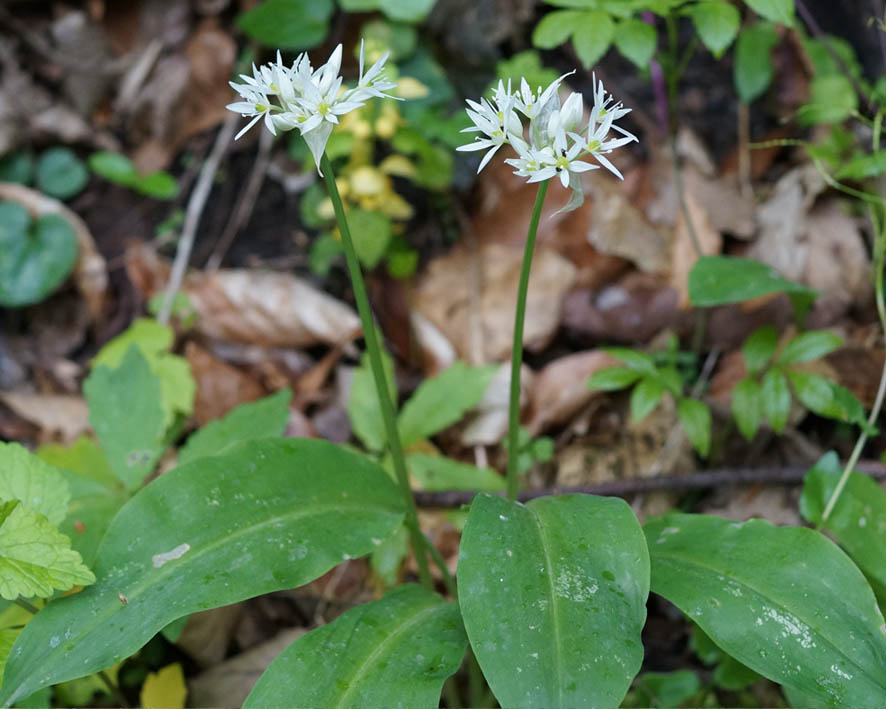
x: 489, y: 422
x: 207, y: 634
x: 220, y: 387
x: 560, y: 390
x: 59, y: 417
x: 837, y: 260
x: 477, y: 315
x: 90, y: 273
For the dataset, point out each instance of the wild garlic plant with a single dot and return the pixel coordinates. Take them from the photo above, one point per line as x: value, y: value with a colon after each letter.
x: 551, y: 145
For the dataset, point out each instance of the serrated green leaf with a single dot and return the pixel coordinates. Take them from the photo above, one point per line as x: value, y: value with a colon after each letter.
x: 695, y: 417
x: 613, y: 378
x: 553, y: 596
x: 781, y: 11
x: 35, y: 558
x: 594, y: 31
x: 442, y: 400
x: 809, y: 346
x: 758, y: 349
x: 363, y: 409
x: 645, y: 397
x: 39, y: 486
x: 265, y: 418
x: 717, y: 24
x: 813, y: 391
x: 858, y: 520
x: 268, y: 515
x: 60, y: 173
x: 555, y: 28
x: 747, y: 407
x: 126, y: 411
x: 396, y: 652
x: 288, y: 24
x: 753, y: 70
x: 636, y: 41
x: 776, y: 399
x: 785, y: 601
x: 437, y: 472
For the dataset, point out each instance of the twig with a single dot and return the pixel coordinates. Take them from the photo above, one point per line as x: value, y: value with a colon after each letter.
x: 725, y: 477
x: 246, y: 202
x: 193, y: 212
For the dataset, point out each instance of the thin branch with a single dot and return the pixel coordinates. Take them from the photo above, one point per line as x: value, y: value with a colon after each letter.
x: 726, y: 477
x: 193, y: 212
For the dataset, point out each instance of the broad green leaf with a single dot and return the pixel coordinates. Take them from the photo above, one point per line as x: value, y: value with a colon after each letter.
x: 372, y: 234
x: 268, y: 515
x: 662, y: 689
x: 776, y: 399
x: 832, y: 99
x: 126, y: 411
x: 553, y: 596
x: 753, y: 68
x: 858, y: 520
x: 60, y: 173
x: 39, y: 486
x: 695, y: 417
x: 747, y: 407
x: 613, y: 378
x: 720, y: 280
x: 288, y: 24
x: 717, y: 24
x: 266, y: 418
x: 863, y: 167
x: 633, y: 359
x: 813, y: 391
x: 442, y: 401
x: 396, y: 652
x: 406, y: 10
x: 555, y: 28
x: 809, y: 346
x: 758, y: 349
x: 781, y: 11
x: 437, y: 472
x: 35, y: 558
x: 82, y: 457
x: 636, y: 41
x: 7, y: 638
x: 845, y: 406
x: 363, y: 409
x: 153, y: 338
x: 730, y: 673
x: 594, y: 31
x: 36, y: 256
x: 785, y: 601
x: 645, y: 397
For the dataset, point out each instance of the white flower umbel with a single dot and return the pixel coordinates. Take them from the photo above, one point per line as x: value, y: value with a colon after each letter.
x: 307, y: 99
x: 552, y: 144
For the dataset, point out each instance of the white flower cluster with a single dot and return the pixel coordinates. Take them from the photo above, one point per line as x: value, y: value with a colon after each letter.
x: 552, y: 145
x: 306, y: 98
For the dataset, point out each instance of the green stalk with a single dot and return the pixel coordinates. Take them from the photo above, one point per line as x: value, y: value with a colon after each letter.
x: 419, y: 543
x: 517, y: 349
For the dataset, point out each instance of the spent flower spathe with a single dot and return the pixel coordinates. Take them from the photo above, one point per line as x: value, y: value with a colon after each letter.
x: 553, y: 143
x: 305, y: 98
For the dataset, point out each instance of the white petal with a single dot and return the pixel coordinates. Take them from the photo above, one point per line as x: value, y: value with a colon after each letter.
x: 609, y: 166
x: 248, y: 126
x: 316, y: 140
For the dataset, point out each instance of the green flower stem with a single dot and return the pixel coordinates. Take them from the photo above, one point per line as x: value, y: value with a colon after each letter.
x: 517, y: 349
x: 419, y: 543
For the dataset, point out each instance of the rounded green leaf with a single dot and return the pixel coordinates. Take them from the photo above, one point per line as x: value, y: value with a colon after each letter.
x: 555, y: 28
x: 776, y: 399
x: 17, y: 167
x: 553, y: 596
x: 758, y: 349
x: 809, y: 346
x: 775, y: 10
x: 159, y: 185
x: 594, y: 31
x: 785, y: 601
x: 753, y: 70
x: 288, y: 24
x: 36, y: 257
x: 645, y: 397
x: 60, y: 173
x: 406, y: 10
x: 636, y: 41
x: 613, y: 378
x: 747, y: 407
x: 717, y: 24
x: 396, y: 652
x: 695, y: 417
x: 113, y: 166
x: 268, y: 515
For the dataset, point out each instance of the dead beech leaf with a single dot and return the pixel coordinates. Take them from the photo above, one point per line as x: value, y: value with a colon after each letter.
x: 90, y: 275
x: 489, y: 420
x: 59, y: 417
x: 837, y: 264
x: 468, y: 310
x: 207, y: 634
x: 220, y: 387
x: 560, y: 390
x: 437, y: 351
x: 683, y: 247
